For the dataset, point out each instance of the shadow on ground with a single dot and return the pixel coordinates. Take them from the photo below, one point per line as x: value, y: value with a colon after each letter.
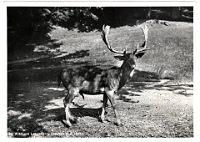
x: 34, y: 108
x: 62, y: 59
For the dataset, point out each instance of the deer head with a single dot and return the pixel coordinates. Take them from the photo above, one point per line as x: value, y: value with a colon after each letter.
x: 128, y: 58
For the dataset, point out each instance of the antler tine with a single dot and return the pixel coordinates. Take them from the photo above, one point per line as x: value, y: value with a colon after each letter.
x: 105, y: 31
x: 145, y: 32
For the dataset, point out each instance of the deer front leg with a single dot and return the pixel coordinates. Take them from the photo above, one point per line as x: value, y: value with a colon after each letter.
x: 67, y: 112
x: 105, y: 99
x: 111, y: 98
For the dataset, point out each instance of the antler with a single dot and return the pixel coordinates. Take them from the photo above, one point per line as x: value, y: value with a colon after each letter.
x: 144, y: 45
x: 105, y: 31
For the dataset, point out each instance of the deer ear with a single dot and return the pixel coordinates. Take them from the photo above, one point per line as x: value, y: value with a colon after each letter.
x: 139, y: 55
x: 134, y: 51
x: 119, y: 57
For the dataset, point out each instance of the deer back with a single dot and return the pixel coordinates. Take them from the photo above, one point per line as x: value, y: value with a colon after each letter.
x: 90, y: 79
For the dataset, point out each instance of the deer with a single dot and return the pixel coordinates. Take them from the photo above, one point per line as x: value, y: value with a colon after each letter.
x: 93, y: 80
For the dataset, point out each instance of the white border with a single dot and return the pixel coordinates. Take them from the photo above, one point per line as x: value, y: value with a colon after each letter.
x: 83, y: 3
x: 99, y: 3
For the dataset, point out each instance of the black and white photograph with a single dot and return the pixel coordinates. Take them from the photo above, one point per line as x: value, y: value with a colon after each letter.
x: 100, y: 71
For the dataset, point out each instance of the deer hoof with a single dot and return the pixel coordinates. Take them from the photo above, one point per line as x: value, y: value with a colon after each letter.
x: 101, y: 119
x: 68, y: 124
x: 118, y: 123
x: 74, y: 119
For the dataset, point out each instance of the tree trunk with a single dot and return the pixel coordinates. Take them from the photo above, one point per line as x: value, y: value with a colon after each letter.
x: 176, y: 13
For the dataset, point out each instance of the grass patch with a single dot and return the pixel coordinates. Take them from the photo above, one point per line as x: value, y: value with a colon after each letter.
x: 171, y: 47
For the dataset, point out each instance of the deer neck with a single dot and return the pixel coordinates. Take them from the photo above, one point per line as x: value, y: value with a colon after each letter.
x: 125, y: 75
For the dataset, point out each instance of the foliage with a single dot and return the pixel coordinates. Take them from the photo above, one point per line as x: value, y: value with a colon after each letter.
x: 71, y: 17
x: 24, y: 20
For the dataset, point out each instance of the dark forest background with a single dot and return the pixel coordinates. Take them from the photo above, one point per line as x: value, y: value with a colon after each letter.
x: 25, y: 20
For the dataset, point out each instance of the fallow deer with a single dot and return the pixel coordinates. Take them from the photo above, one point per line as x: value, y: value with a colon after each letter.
x: 94, y: 80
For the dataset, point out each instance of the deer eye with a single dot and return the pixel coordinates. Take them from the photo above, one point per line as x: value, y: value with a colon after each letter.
x: 131, y: 61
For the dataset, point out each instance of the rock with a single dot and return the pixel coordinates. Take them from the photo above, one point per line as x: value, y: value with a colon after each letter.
x: 166, y: 74
x: 166, y: 23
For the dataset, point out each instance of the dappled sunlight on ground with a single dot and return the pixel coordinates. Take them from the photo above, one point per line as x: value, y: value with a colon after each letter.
x: 147, y: 109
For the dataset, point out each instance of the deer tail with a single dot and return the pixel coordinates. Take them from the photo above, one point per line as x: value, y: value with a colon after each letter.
x: 81, y: 93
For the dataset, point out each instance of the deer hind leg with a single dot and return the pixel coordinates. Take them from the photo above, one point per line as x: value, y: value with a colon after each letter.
x: 105, y: 99
x: 111, y: 98
x: 67, y: 100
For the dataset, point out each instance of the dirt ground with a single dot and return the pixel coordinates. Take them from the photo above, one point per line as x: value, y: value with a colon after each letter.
x: 147, y: 109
